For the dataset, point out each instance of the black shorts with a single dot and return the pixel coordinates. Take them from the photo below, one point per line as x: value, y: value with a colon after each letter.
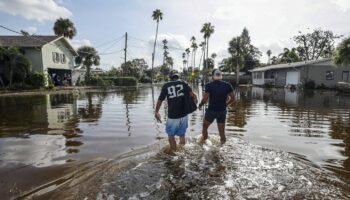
x: 220, y: 116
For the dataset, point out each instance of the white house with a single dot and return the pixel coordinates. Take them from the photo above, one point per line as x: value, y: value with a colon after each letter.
x: 52, y: 55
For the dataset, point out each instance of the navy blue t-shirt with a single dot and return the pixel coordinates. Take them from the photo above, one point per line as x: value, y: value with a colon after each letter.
x: 218, y: 92
x: 175, y: 92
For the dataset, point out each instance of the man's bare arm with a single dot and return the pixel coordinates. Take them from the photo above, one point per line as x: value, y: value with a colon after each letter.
x: 194, y: 96
x: 204, y: 99
x: 232, y: 98
x: 156, y: 114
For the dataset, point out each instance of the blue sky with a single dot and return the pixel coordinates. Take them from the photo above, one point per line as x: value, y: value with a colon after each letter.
x: 272, y: 23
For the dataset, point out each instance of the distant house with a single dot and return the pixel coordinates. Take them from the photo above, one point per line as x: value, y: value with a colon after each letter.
x: 321, y: 71
x: 52, y: 55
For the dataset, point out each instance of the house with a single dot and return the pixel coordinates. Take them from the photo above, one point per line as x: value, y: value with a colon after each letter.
x: 322, y: 72
x: 52, y: 55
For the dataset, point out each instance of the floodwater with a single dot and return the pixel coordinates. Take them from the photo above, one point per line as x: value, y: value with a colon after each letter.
x: 106, y: 145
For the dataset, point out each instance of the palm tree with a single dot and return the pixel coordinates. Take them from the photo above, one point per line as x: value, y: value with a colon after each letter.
x: 87, y: 56
x: 341, y: 55
x: 157, y: 16
x: 236, y: 49
x: 202, y: 45
x: 165, y: 47
x: 269, y: 56
x: 188, y: 53
x: 207, y: 30
x: 14, y: 63
x: 184, y: 59
x: 193, y: 43
x: 213, y: 56
x: 64, y: 27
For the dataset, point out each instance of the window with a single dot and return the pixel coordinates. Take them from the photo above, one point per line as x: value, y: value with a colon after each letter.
x: 329, y: 75
x: 55, y: 57
x: 63, y: 59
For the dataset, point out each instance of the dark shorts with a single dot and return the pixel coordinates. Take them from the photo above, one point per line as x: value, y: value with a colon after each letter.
x: 220, y: 116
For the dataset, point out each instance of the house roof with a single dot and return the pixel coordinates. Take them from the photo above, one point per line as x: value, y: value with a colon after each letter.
x: 25, y: 41
x: 33, y: 41
x: 290, y: 65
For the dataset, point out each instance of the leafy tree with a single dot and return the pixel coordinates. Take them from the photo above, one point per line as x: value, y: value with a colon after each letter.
x: 14, y: 63
x: 130, y: 69
x: 289, y: 56
x: 268, y: 53
x: 316, y: 44
x: 87, y: 56
x: 341, y: 55
x: 64, y: 27
x: 207, y: 30
x: 188, y: 54
x: 157, y: 16
x: 243, y: 53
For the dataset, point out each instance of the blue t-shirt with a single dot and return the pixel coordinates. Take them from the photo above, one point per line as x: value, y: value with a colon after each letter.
x: 175, y: 92
x: 218, y: 93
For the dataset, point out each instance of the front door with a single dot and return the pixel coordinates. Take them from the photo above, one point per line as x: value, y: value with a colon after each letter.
x: 345, y: 76
x: 292, y: 78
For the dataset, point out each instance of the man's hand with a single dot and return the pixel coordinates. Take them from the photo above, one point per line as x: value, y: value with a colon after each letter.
x: 157, y: 116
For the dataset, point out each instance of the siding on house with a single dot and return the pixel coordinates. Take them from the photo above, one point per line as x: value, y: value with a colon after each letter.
x: 317, y: 73
x: 60, y: 48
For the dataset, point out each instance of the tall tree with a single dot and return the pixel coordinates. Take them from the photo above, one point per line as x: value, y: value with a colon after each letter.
x: 87, y: 56
x: 289, y: 56
x: 64, y: 27
x: 202, y: 45
x: 341, y: 55
x: 188, y: 51
x: 184, y: 59
x: 165, y: 48
x: 14, y: 63
x: 157, y: 16
x: 193, y: 46
x: 316, y: 44
x: 268, y: 53
x: 243, y: 52
x: 207, y: 30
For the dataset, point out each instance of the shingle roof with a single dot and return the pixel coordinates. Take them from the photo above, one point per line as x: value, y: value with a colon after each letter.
x: 25, y: 41
x: 290, y: 65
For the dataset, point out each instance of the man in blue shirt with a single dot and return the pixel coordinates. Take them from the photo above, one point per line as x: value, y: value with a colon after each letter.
x: 176, y: 92
x: 217, y: 92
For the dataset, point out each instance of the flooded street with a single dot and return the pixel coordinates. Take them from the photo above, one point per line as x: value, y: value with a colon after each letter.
x: 107, y: 145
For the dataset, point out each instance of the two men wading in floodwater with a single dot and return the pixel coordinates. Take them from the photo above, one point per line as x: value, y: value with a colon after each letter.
x: 177, y: 93
x: 219, y: 93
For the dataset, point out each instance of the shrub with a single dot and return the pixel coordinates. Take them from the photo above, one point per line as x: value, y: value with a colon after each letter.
x: 20, y: 86
x: 99, y: 81
x: 322, y: 87
x: 36, y: 79
x: 310, y: 84
x: 145, y: 79
x: 122, y: 81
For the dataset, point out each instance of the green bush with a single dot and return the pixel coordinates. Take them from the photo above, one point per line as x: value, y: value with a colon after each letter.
x: 122, y: 81
x: 36, y: 79
x: 310, y: 84
x: 322, y: 87
x: 20, y: 86
x: 99, y: 81
x: 145, y: 79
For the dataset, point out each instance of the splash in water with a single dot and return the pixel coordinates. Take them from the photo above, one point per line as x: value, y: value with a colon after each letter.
x: 235, y: 170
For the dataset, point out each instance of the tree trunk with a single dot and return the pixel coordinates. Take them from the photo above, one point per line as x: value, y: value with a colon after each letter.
x: 154, y: 51
x: 237, y: 72
x: 87, y: 77
x: 194, y: 59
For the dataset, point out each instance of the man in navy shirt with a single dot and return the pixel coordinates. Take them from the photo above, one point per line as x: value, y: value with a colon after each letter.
x: 175, y: 91
x: 217, y: 92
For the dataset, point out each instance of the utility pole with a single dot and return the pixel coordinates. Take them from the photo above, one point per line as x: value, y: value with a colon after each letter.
x: 126, y: 47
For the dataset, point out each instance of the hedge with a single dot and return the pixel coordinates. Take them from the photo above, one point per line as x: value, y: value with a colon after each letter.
x: 36, y: 80
x: 122, y: 81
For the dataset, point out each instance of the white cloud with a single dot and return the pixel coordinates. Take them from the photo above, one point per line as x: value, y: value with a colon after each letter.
x: 78, y: 43
x: 344, y: 5
x: 38, y: 10
x: 31, y: 30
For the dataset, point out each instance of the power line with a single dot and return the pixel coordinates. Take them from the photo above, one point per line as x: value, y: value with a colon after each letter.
x: 105, y: 43
x: 35, y: 38
x: 159, y: 45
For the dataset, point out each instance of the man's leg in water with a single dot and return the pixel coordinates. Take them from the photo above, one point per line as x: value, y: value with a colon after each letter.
x: 182, y: 140
x: 172, y: 143
x: 206, y: 125
x: 221, y: 127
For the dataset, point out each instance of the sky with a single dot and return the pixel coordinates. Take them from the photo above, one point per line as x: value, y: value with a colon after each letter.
x: 102, y: 24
